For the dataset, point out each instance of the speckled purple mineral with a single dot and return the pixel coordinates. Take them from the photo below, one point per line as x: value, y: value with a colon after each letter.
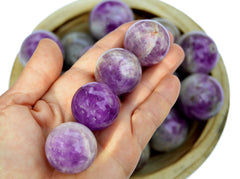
x: 95, y: 105
x: 71, y: 147
x: 201, y: 54
x: 148, y: 40
x: 201, y: 96
x: 74, y: 43
x: 119, y: 69
x: 171, y: 133
x: 107, y: 16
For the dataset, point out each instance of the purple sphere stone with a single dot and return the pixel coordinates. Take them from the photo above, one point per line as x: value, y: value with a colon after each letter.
x: 95, y: 105
x: 171, y: 134
x: 31, y: 42
x: 148, y: 40
x: 119, y: 69
x: 201, y: 54
x: 107, y: 16
x: 71, y: 147
x: 201, y: 96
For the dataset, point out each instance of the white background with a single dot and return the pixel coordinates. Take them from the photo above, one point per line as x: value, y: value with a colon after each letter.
x: 220, y: 19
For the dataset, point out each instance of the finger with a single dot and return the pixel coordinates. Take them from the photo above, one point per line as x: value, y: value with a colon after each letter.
x: 40, y: 72
x: 152, y: 76
x: 149, y: 115
x: 82, y: 71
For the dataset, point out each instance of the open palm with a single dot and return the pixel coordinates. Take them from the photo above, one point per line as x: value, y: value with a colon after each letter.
x: 41, y: 99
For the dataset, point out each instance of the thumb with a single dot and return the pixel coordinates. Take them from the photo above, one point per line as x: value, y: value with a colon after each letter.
x: 41, y: 71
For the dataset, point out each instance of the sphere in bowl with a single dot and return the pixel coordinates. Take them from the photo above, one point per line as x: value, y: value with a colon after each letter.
x: 119, y: 69
x: 74, y: 43
x: 170, y: 27
x: 71, y: 147
x: 148, y: 40
x: 31, y: 42
x: 201, y: 53
x: 95, y: 105
x: 171, y: 134
x: 107, y: 16
x: 201, y: 96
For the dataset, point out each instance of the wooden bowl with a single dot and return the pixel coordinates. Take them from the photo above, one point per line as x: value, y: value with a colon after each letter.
x: 203, y: 136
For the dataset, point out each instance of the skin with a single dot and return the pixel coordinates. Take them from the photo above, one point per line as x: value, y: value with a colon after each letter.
x: 41, y: 99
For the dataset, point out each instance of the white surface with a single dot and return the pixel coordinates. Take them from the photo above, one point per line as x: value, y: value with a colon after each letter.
x: 218, y: 18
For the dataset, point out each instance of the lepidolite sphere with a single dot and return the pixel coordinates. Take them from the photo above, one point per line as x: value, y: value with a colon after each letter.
x: 74, y: 44
x: 148, y: 40
x: 95, y: 105
x: 171, y: 133
x: 71, y: 147
x: 119, y: 69
x: 107, y: 16
x: 201, y: 53
x: 31, y: 42
x: 201, y: 96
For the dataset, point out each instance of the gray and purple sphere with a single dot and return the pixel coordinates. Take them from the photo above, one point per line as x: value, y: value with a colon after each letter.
x: 201, y: 96
x: 148, y: 40
x: 171, y: 133
x: 75, y: 44
x: 107, y: 16
x: 119, y: 69
x: 31, y: 42
x: 71, y: 147
x: 95, y: 105
x: 201, y: 53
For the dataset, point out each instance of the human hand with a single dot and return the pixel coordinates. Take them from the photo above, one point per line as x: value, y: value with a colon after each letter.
x: 40, y: 100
